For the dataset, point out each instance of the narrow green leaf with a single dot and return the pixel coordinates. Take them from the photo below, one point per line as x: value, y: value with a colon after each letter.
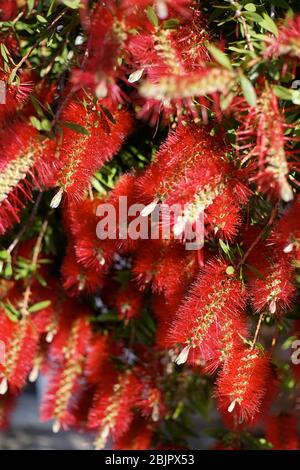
x: 39, y: 306
x: 75, y: 127
x: 152, y: 17
x: 220, y: 57
x: 248, y: 90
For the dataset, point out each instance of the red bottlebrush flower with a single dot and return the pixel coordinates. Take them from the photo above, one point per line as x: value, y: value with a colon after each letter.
x: 138, y: 437
x: 286, y: 234
x: 172, y: 63
x: 98, y: 357
x: 100, y: 69
x: 287, y: 42
x: 16, y: 97
x: 81, y: 155
x: 7, y: 403
x: 242, y: 384
x: 214, y: 298
x: 151, y: 401
x: 68, y: 349
x: 128, y: 302
x: 26, y: 161
x: 77, y: 279
x: 8, y: 9
x: 81, y: 220
x: 166, y: 265
x: 191, y: 171
x: 262, y: 135
x: 73, y: 331
x: 21, y: 342
x: 112, y: 412
x: 274, y: 289
x: 281, y: 432
x: 164, y: 312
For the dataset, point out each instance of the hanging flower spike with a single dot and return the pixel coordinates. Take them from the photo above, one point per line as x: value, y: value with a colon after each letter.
x: 128, y: 302
x: 21, y: 343
x: 69, y: 350
x: 191, y: 171
x: 77, y: 279
x: 8, y: 9
x: 281, y: 432
x: 98, y: 358
x: 112, y: 412
x: 16, y: 96
x: 167, y: 265
x: 101, y: 70
x: 172, y: 64
x: 83, y: 153
x: 81, y: 221
x: 214, y: 298
x: 286, y: 234
x: 274, y: 289
x: 242, y: 385
x: 268, y: 148
x: 287, y: 42
x: 26, y: 161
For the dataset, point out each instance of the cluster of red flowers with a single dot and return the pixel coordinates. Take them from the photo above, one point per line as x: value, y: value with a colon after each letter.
x: 148, y: 60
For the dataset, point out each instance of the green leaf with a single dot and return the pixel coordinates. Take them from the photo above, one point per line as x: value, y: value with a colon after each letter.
x: 268, y: 24
x: 39, y: 306
x: 4, y: 255
x: 152, y: 17
x: 250, y: 7
x: 248, y: 90
x: 220, y: 57
x: 41, y: 19
x: 74, y: 4
x: 36, y: 105
x: 36, y: 123
x: 4, y: 52
x: 283, y: 93
x: 171, y: 23
x: 75, y: 127
x: 30, y: 5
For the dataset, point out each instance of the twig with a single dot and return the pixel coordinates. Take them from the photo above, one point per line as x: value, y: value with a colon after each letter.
x: 35, y: 256
x: 257, y: 329
x: 27, y: 225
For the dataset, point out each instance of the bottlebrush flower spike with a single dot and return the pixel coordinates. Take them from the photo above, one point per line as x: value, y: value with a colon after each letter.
x: 26, y: 162
x: 8, y: 9
x: 274, y: 289
x: 214, y: 298
x: 98, y: 356
x: 68, y: 350
x: 81, y: 155
x: 106, y: 44
x: 138, y: 437
x: 166, y: 265
x: 77, y: 279
x: 16, y: 96
x: 172, y: 63
x: 242, y: 384
x: 21, y: 344
x: 128, y: 302
x: 191, y: 171
x: 281, y: 432
x: 286, y: 234
x: 81, y: 221
x: 112, y: 411
x: 287, y: 42
x: 262, y: 136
